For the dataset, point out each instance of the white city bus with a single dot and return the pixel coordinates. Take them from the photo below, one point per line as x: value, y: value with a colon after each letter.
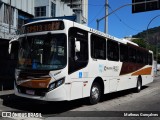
x: 60, y: 60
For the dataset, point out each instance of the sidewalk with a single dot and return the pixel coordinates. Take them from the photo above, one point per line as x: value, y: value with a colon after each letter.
x: 5, y: 92
x: 157, y: 74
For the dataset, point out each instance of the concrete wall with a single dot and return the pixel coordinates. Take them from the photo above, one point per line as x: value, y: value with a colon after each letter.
x: 24, y: 5
x: 61, y: 8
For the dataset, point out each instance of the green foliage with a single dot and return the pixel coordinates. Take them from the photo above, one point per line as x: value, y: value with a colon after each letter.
x: 144, y: 33
x: 149, y: 39
x: 140, y: 42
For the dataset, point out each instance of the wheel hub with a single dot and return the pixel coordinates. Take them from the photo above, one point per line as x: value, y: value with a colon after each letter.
x: 95, y: 93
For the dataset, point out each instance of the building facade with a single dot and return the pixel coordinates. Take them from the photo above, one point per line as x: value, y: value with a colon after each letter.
x: 13, y: 14
x: 52, y: 8
x: 60, y: 8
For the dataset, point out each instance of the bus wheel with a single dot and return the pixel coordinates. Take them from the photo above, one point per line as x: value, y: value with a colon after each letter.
x: 139, y: 85
x: 95, y: 93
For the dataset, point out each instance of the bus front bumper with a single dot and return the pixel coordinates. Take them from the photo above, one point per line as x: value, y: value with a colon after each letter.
x: 58, y: 94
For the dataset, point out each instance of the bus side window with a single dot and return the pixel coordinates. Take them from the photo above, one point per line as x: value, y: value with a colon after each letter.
x: 98, y: 47
x: 123, y: 53
x: 132, y: 54
x: 112, y: 50
x: 139, y: 57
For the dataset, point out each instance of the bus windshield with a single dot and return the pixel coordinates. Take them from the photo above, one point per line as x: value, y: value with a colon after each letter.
x: 42, y: 52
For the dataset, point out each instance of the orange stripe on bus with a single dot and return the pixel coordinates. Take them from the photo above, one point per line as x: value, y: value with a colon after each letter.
x: 41, y: 83
x: 145, y: 71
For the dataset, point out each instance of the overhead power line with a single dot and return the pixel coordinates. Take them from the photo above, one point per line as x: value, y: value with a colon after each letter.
x: 96, y: 16
x: 122, y: 20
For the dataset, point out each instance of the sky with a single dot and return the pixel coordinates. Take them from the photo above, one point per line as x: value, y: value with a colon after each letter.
x: 122, y: 23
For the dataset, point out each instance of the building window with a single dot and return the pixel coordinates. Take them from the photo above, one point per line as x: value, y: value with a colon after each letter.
x: 8, y: 14
x: 53, y: 9
x: 40, y: 11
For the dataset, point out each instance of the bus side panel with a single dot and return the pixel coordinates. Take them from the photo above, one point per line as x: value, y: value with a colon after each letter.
x: 111, y: 71
x: 106, y: 86
x: 127, y: 82
x: 76, y: 90
x: 80, y: 84
x: 87, y: 87
x: 68, y: 91
x: 123, y: 83
x: 150, y: 77
x: 108, y: 71
x: 132, y: 82
x: 147, y: 79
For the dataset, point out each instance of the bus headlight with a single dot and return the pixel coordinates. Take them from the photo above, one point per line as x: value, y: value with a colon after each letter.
x: 56, y: 84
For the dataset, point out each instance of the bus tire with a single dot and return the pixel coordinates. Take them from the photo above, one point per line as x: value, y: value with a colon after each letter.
x: 139, y: 85
x: 95, y: 93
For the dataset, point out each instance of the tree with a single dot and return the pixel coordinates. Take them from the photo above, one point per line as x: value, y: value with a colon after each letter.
x: 140, y: 42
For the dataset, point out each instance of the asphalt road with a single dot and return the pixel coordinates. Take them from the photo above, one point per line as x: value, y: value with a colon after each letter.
x: 120, y: 105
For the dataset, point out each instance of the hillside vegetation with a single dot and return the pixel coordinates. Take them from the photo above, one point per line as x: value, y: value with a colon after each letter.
x: 149, y: 39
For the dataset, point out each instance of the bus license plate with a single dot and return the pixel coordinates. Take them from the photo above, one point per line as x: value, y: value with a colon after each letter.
x: 30, y: 92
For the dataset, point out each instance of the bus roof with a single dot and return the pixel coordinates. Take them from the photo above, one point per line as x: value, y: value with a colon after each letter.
x: 91, y: 30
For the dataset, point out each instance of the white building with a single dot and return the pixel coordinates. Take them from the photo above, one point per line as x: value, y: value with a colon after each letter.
x: 60, y: 8
x: 52, y: 8
x: 13, y: 14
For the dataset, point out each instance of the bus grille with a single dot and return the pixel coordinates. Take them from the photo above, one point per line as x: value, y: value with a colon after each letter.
x: 37, y: 91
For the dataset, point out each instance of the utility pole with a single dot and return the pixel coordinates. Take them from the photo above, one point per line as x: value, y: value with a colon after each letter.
x: 106, y: 18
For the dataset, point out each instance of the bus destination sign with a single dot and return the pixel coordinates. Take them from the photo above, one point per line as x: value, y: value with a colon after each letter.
x: 43, y: 26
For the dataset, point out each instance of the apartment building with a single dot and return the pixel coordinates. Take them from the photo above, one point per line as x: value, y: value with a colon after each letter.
x: 62, y: 8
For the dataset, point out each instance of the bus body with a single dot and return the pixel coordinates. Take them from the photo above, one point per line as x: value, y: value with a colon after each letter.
x: 60, y: 60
